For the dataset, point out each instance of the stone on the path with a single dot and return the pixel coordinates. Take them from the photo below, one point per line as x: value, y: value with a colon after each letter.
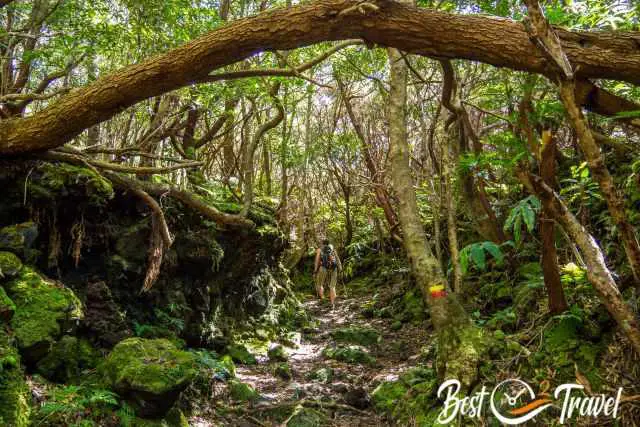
x: 150, y: 374
x: 240, y: 354
x: 323, y: 375
x: 242, y: 392
x: 349, y: 354
x: 283, y: 371
x: 356, y: 335
x: 277, y: 353
x: 305, y: 417
x: 357, y: 397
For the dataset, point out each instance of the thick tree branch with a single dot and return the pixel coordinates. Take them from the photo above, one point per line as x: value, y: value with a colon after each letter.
x: 499, y: 42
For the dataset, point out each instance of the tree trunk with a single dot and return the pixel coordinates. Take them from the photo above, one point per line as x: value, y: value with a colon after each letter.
x: 597, y: 271
x: 601, y: 174
x: 459, y: 342
x: 448, y: 166
x: 499, y: 42
x: 549, y: 257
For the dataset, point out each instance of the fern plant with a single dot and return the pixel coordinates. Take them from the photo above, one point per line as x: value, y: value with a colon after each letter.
x: 476, y: 254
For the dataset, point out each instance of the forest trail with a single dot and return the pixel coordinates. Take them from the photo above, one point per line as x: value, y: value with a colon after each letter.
x: 339, y: 389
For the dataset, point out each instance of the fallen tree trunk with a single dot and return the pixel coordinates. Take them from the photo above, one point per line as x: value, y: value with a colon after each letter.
x: 499, y: 42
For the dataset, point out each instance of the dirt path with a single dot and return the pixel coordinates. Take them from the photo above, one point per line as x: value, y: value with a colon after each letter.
x: 342, y: 390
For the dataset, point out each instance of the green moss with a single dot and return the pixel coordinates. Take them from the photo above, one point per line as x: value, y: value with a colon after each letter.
x: 413, y: 307
x: 67, y: 359
x: 349, y: 354
x: 242, y: 392
x: 306, y: 417
x: 356, y: 335
x: 386, y: 396
x: 10, y: 265
x: 15, y: 398
x: 277, y: 354
x: 153, y: 366
x: 323, y: 375
x: 62, y: 179
x: 7, y: 307
x: 41, y: 307
x: 240, y: 354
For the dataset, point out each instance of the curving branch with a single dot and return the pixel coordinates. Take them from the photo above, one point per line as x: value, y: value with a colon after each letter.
x: 499, y: 42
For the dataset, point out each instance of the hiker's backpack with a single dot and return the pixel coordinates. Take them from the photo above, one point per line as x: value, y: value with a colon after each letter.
x: 329, y: 258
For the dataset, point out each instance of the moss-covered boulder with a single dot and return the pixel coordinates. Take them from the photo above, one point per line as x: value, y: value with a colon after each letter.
x: 386, y: 396
x: 10, y: 265
x: 277, y: 353
x: 67, y: 359
x: 240, y: 354
x: 19, y: 239
x: 149, y: 374
x: 356, y: 335
x: 306, y: 417
x: 15, y: 396
x: 44, y: 310
x: 349, y: 354
x: 7, y: 307
x: 283, y: 371
x: 242, y: 392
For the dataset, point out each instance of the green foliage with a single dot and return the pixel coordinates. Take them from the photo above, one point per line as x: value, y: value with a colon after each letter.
x: 242, y: 392
x: 356, y: 335
x: 76, y: 405
x: 580, y: 190
x: 476, y: 253
x: 524, y: 212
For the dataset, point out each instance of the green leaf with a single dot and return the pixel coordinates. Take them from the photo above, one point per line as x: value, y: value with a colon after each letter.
x: 478, y: 256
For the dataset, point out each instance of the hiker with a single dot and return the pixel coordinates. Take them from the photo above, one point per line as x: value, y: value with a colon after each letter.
x: 326, y: 269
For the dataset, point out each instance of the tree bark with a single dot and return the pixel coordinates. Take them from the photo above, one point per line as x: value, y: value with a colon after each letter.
x: 597, y: 271
x: 549, y: 257
x: 459, y: 342
x: 499, y: 42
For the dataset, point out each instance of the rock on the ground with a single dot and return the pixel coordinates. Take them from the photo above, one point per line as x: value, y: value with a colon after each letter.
x: 104, y: 321
x: 242, y: 392
x: 349, y: 354
x: 67, y: 359
x: 10, y: 265
x: 44, y: 311
x: 306, y: 417
x: 14, y: 392
x: 356, y: 335
x: 357, y: 397
x: 150, y: 374
x: 283, y: 371
x: 19, y: 238
x: 277, y: 353
x: 240, y: 354
x: 323, y: 375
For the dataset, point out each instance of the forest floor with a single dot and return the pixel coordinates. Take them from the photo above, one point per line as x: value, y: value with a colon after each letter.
x: 339, y: 390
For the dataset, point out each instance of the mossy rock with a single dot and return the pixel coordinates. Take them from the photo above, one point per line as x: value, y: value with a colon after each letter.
x: 283, y: 371
x: 7, y: 307
x: 174, y: 418
x: 15, y: 395
x: 44, y: 310
x: 240, y: 354
x: 413, y: 307
x: 67, y: 359
x: 10, y: 265
x: 306, y: 417
x: 150, y: 374
x: 323, y: 375
x: 242, y: 392
x: 61, y: 179
x: 132, y: 246
x: 19, y: 239
x: 357, y: 335
x: 277, y: 353
x: 385, y: 397
x: 349, y: 354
